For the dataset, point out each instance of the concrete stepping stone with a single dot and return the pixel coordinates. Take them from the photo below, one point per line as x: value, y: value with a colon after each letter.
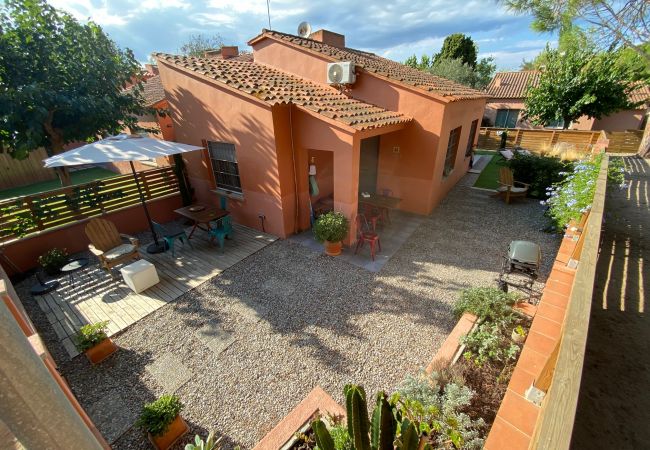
x: 112, y: 415
x: 215, y: 337
x: 169, y: 372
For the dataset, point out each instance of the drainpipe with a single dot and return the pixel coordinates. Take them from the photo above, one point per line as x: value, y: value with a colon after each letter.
x: 295, y: 174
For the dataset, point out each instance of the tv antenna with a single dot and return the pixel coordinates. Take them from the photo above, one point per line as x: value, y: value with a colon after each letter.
x: 304, y: 29
x: 268, y: 12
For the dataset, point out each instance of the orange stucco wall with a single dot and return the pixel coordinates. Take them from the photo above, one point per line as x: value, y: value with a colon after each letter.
x: 415, y: 168
x: 202, y: 110
x: 25, y: 252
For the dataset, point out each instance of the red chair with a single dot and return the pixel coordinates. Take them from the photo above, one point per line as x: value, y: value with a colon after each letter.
x: 372, y: 215
x: 365, y: 234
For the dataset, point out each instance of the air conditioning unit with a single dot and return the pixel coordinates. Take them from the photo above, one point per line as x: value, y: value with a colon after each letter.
x: 341, y: 73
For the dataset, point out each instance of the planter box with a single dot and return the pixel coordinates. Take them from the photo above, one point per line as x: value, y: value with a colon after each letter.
x: 316, y: 402
x: 174, y: 432
x: 101, y: 351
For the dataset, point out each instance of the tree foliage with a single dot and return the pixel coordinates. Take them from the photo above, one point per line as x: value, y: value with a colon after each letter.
x: 60, y: 81
x: 197, y: 44
x: 458, y: 46
x: 616, y: 23
x: 578, y: 82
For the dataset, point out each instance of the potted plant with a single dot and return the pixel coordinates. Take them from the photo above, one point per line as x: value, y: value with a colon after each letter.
x: 94, y: 342
x: 519, y: 334
x: 330, y: 229
x: 162, y: 421
x: 53, y: 260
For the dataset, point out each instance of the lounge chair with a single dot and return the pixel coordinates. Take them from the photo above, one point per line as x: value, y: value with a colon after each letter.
x: 108, y: 244
x: 510, y: 188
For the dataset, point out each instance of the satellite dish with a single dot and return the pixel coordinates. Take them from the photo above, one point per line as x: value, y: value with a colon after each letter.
x: 304, y: 29
x: 335, y: 73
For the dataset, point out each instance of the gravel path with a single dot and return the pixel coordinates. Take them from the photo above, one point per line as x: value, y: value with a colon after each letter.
x: 290, y: 319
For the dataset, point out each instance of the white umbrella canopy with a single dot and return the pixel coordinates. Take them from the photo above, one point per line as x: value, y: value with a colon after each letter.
x: 123, y: 147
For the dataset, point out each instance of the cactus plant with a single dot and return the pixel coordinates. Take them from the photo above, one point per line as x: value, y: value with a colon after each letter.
x: 410, y: 438
x: 357, y: 415
x: 384, y: 425
x: 324, y: 440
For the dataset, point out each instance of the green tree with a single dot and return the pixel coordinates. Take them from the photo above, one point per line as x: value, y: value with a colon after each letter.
x: 578, y: 82
x: 454, y: 70
x: 485, y: 70
x: 615, y: 23
x: 458, y: 46
x: 60, y: 81
x: 198, y: 44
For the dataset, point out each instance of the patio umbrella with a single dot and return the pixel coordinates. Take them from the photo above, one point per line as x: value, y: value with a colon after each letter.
x: 123, y: 147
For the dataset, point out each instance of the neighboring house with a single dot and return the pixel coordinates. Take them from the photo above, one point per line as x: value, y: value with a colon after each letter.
x: 263, y: 122
x: 507, y: 92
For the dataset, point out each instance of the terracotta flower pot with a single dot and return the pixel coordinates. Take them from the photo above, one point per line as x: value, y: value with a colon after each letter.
x: 101, y: 351
x: 333, y: 248
x: 175, y: 430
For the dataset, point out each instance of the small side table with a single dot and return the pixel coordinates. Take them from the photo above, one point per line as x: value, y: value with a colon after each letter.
x: 74, y: 266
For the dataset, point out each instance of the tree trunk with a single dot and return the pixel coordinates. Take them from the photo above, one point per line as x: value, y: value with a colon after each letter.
x: 56, y: 147
x: 644, y: 148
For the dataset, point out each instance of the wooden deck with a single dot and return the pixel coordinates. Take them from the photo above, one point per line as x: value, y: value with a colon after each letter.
x: 95, y: 296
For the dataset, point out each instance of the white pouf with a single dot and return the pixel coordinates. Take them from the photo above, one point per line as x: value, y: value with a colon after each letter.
x: 140, y: 275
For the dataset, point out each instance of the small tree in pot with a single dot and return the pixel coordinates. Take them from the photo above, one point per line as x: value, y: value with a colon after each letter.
x: 162, y: 421
x: 330, y: 229
x: 94, y: 342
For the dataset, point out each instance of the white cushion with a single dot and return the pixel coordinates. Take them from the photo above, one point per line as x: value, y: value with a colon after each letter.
x: 118, y: 251
x: 140, y: 275
x: 507, y: 154
x: 515, y: 190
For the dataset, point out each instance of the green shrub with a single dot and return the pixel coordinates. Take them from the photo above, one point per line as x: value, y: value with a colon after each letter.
x: 90, y: 335
x: 210, y: 443
x: 53, y: 260
x: 541, y: 172
x: 486, y: 303
x: 489, y: 343
x: 331, y: 226
x: 156, y: 416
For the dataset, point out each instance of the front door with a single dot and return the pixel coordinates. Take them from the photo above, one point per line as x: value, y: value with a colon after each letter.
x: 368, y: 164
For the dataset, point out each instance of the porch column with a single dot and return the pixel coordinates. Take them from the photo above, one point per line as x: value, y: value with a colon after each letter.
x: 32, y: 405
x: 346, y: 184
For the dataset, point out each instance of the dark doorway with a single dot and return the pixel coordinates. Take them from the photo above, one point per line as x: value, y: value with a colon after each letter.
x: 368, y: 164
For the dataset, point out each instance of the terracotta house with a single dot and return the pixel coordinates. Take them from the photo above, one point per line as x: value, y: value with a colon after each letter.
x: 264, y: 119
x: 507, y: 92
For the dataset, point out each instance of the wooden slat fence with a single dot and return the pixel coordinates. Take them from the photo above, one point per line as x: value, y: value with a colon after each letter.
x: 21, y: 216
x: 538, y: 141
x: 624, y: 141
x: 16, y: 172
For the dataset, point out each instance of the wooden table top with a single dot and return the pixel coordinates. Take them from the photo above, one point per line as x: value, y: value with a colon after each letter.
x: 380, y: 201
x: 206, y: 215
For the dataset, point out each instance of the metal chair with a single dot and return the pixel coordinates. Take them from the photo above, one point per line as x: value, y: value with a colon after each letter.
x: 171, y: 236
x: 365, y: 234
x: 222, y: 230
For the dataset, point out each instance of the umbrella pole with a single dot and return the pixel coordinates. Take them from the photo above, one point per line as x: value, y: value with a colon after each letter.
x: 156, y: 247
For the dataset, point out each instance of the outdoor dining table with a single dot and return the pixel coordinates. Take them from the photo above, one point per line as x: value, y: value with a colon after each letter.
x: 201, y: 215
x: 380, y: 201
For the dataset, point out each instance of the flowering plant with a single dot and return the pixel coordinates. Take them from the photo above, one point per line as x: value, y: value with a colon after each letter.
x: 570, y: 198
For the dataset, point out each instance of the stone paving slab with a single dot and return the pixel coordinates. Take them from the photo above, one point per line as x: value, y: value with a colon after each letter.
x: 215, y: 337
x: 169, y: 372
x: 114, y: 414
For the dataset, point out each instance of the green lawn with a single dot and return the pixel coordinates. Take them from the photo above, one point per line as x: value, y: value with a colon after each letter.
x: 78, y: 177
x: 489, y: 176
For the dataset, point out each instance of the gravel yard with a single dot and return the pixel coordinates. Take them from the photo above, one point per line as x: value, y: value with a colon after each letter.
x: 244, y: 348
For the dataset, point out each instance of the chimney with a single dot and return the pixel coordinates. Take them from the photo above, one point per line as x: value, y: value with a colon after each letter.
x: 225, y: 52
x: 152, y: 69
x: 329, y: 38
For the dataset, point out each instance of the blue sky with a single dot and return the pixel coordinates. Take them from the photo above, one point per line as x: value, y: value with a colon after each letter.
x: 394, y: 29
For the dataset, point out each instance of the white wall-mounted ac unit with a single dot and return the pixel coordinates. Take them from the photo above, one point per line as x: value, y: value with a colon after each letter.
x: 341, y: 73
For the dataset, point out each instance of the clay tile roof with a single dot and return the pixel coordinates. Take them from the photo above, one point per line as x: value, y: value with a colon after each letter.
x: 512, y: 84
x: 153, y: 91
x: 381, y: 66
x: 244, y: 57
x: 641, y: 94
x: 276, y: 87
